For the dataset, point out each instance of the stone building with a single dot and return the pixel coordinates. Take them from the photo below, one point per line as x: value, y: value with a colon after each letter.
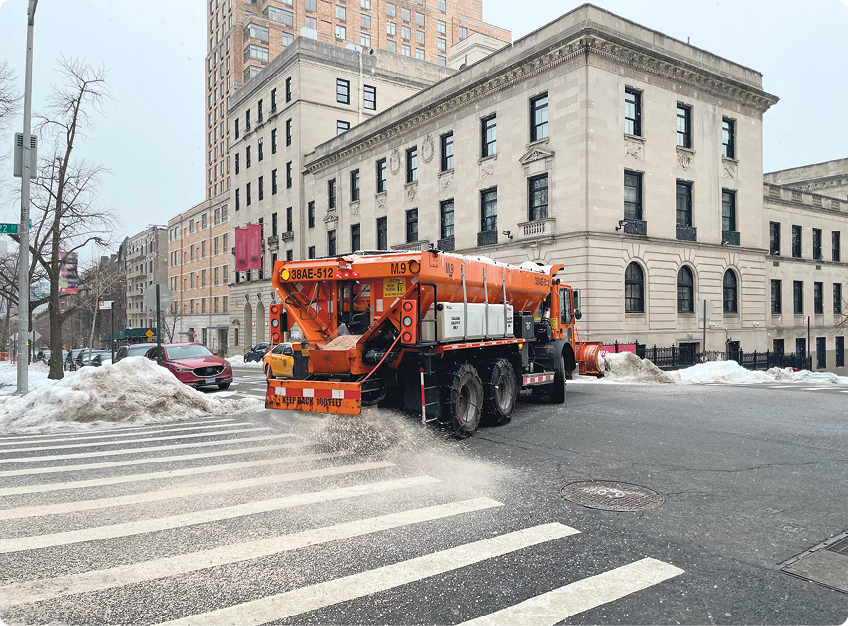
x: 308, y: 94
x: 199, y: 266
x: 633, y: 158
x: 146, y: 260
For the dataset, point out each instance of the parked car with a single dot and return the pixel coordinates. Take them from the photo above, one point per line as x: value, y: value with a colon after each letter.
x: 257, y: 352
x: 133, y: 349
x: 98, y: 358
x: 279, y: 362
x: 194, y: 364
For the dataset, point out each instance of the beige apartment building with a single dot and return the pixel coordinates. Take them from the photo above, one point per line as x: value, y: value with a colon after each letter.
x: 199, y: 270
x: 631, y: 157
x: 246, y: 35
x: 308, y: 94
x: 146, y: 264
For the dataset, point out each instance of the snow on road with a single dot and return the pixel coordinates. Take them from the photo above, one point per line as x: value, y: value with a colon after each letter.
x: 238, y: 361
x: 134, y: 390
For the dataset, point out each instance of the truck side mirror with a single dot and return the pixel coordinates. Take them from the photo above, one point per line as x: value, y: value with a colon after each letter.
x: 575, y: 298
x: 577, y: 314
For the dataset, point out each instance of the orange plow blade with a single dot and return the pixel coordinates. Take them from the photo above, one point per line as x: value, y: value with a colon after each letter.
x: 314, y: 396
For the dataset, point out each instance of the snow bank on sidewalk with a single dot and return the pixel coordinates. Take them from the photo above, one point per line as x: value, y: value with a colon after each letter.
x: 722, y: 372
x: 134, y: 390
x: 238, y: 361
x: 626, y: 367
x: 9, y: 376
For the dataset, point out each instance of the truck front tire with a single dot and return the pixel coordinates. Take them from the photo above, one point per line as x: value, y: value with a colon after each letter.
x: 463, y: 398
x: 556, y: 391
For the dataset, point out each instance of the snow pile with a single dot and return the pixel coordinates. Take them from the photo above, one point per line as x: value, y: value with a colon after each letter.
x: 806, y: 376
x: 626, y: 367
x: 722, y: 372
x: 785, y: 375
x: 238, y: 361
x: 134, y: 390
x: 9, y: 376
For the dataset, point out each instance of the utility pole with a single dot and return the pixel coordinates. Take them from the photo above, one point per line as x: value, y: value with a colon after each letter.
x: 23, y: 276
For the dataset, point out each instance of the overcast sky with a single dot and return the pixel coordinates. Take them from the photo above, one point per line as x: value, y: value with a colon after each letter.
x: 151, y: 136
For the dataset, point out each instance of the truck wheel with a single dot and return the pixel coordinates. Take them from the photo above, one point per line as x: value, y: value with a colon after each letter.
x: 463, y: 397
x: 556, y: 391
x: 500, y: 391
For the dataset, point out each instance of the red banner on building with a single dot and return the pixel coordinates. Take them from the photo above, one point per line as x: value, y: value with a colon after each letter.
x: 622, y: 347
x: 248, y: 242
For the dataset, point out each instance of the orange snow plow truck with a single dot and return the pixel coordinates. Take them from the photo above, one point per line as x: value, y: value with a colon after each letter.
x: 452, y: 337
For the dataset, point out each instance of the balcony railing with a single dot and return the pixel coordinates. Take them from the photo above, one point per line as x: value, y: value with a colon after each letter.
x: 636, y: 227
x: 413, y: 246
x: 447, y: 244
x: 687, y: 233
x: 537, y: 227
x: 287, y: 236
x: 487, y: 238
x: 729, y: 238
x: 273, y: 242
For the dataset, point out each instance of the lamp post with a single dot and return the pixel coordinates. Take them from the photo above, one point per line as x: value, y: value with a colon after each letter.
x: 23, y: 229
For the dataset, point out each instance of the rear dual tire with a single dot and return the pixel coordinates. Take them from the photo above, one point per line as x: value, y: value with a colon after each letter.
x: 501, y: 391
x: 463, y: 398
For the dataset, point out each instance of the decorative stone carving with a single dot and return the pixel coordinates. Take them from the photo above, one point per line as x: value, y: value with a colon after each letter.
x: 730, y: 169
x: 428, y: 149
x: 330, y: 219
x: 381, y: 203
x: 487, y: 168
x: 354, y: 208
x: 410, y: 191
x: 446, y: 181
x: 394, y: 161
x: 634, y: 149
x: 684, y: 160
x: 535, y: 154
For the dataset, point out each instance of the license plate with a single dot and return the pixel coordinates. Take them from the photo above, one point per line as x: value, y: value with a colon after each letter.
x: 210, y: 380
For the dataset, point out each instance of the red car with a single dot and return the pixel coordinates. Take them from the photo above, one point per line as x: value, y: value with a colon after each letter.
x: 194, y: 364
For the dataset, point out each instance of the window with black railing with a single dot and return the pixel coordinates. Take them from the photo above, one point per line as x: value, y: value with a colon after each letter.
x: 728, y: 210
x: 489, y: 210
x: 632, y: 195
x: 446, y: 219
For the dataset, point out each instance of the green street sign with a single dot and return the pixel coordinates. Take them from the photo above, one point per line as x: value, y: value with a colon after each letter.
x: 9, y: 229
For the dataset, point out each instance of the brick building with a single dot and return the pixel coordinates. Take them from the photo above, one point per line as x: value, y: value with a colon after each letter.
x: 146, y: 262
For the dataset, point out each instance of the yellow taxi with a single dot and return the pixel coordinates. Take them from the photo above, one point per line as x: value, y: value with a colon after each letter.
x: 279, y: 362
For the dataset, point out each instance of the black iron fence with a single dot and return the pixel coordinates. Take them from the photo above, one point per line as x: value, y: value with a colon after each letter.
x: 684, y: 355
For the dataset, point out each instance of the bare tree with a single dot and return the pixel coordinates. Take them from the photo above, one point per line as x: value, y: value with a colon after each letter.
x: 9, y: 100
x: 67, y: 216
x: 170, y: 320
x: 98, y: 280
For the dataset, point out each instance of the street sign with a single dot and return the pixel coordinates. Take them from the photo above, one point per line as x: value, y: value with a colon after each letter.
x: 701, y: 310
x: 149, y: 334
x: 9, y: 229
x: 806, y: 318
x: 165, y: 297
x: 104, y: 305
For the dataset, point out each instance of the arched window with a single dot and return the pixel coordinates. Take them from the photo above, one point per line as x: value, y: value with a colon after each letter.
x: 685, y: 291
x: 730, y: 292
x: 634, y: 289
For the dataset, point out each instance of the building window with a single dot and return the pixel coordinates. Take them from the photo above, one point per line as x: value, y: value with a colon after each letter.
x: 311, y: 252
x: 342, y: 91
x: 274, y: 141
x: 728, y: 210
x: 818, y: 298
x: 354, y: 237
x: 310, y: 22
x: 489, y: 210
x: 412, y: 164
x: 247, y: 194
x: 254, y: 52
x: 273, y: 100
x: 684, y: 203
x: 354, y: 186
x: 412, y: 225
x: 837, y: 298
x: 835, y: 237
x: 441, y: 26
x: 247, y: 157
x: 821, y: 352
x: 685, y: 291
x: 289, y: 175
x: 391, y: 29
x: 310, y: 214
x: 731, y: 292
x: 796, y: 242
x: 289, y: 255
x: 419, y: 54
x: 331, y: 193
x: 447, y: 151
x: 288, y: 132
x: 405, y: 50
x: 331, y: 243
x: 776, y: 297
x: 446, y: 221
x: 273, y: 224
x: 280, y: 16
x: 236, y: 125
x: 538, y: 197
x: 463, y: 33
x: 539, y: 117
x: 489, y: 136
x: 259, y: 111
x: 840, y: 352
x: 342, y: 127
x: 634, y: 289
x: 237, y: 162
x: 684, y: 126
x: 288, y: 89
x: 798, y: 297
x: 419, y: 19
x: 237, y: 200
x: 405, y: 33
x: 382, y: 233
x: 420, y: 37
x: 369, y: 97
x: 259, y: 150
x: 341, y: 32
x: 381, y: 175
x: 273, y: 182
x: 391, y: 10
x: 774, y: 238
x: 341, y: 14
x: 728, y: 138
x: 364, y: 21
x: 817, y: 244
x: 261, y: 189
x: 364, y: 40
x: 632, y: 195
x: 288, y: 219
x: 633, y: 112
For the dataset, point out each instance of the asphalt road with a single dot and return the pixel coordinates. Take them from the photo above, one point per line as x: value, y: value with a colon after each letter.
x: 281, y: 517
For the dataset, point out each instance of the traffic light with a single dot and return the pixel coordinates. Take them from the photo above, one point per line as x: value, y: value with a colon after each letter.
x: 279, y: 322
x: 409, y: 322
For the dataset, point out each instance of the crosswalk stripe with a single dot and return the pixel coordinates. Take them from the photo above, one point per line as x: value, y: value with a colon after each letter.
x: 17, y: 544
x: 815, y: 388
x: 186, y: 471
x: 158, y: 459
x: 550, y: 608
x: 186, y: 492
x: 176, y: 446
x: 320, y: 595
x: 98, y: 580
x: 145, y: 440
x: 111, y: 433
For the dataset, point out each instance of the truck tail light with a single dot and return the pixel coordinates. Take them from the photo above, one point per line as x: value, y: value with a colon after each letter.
x: 409, y: 322
x: 279, y: 323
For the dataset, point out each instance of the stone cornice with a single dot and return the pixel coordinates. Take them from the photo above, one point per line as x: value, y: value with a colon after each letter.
x: 587, y: 42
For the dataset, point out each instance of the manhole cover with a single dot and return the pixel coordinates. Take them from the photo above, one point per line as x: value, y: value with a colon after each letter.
x: 611, y: 496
